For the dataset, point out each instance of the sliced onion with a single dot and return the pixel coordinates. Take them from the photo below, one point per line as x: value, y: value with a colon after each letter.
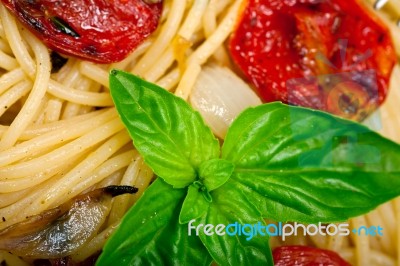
x: 58, y: 232
x: 219, y: 96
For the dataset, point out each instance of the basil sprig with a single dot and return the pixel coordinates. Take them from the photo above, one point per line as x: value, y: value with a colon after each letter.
x: 279, y: 162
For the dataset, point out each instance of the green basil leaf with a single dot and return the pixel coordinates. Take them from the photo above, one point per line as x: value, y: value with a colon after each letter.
x: 214, y: 173
x: 308, y: 166
x: 150, y: 234
x: 230, y: 206
x: 194, y: 206
x: 171, y: 137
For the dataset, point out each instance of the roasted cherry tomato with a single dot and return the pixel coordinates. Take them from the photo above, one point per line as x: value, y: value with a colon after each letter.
x: 301, y: 51
x: 306, y: 256
x: 96, y: 30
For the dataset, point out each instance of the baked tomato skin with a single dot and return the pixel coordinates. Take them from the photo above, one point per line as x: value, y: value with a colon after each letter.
x: 306, y: 256
x: 298, y: 51
x: 101, y: 31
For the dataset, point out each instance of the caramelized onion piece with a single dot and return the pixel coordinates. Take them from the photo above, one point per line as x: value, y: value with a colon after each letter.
x: 219, y: 95
x: 58, y: 232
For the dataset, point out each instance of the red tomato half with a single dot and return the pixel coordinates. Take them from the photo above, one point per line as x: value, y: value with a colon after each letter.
x: 306, y: 256
x: 102, y: 31
x: 300, y: 51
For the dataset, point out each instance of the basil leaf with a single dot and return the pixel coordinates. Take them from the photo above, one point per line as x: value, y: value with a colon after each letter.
x: 194, y: 206
x: 150, y: 233
x: 230, y: 206
x: 214, y: 173
x: 171, y: 137
x: 308, y: 166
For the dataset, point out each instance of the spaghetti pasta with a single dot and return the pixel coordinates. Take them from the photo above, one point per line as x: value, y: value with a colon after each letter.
x: 61, y: 136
